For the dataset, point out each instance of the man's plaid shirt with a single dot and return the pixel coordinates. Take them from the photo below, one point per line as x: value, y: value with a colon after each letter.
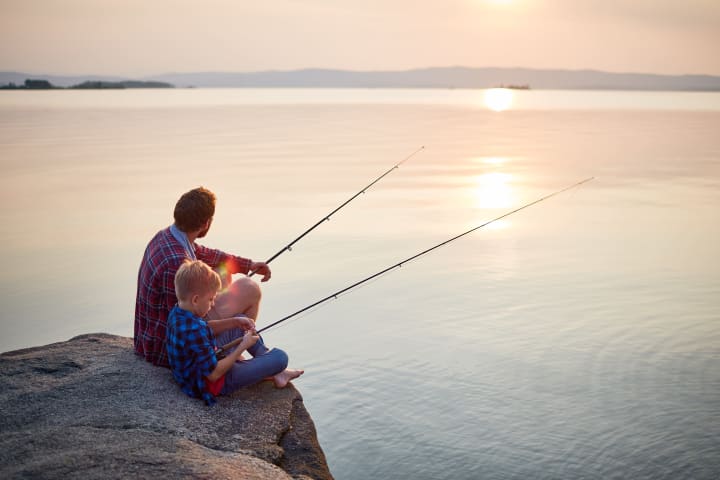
x: 156, y: 289
x: 191, y: 352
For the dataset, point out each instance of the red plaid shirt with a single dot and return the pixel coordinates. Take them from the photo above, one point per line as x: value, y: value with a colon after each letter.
x: 156, y: 289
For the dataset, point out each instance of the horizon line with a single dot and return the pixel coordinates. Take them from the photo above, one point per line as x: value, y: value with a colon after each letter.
x: 414, y: 69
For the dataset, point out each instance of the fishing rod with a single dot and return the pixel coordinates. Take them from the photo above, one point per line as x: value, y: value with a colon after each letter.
x: 400, y: 264
x: 326, y: 218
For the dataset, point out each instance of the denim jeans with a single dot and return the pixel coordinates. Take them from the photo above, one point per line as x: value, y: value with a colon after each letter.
x: 265, y: 363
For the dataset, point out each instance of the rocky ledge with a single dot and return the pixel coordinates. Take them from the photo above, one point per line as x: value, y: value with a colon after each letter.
x: 90, y: 408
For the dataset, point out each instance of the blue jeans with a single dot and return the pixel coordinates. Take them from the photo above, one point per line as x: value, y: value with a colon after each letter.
x: 265, y: 363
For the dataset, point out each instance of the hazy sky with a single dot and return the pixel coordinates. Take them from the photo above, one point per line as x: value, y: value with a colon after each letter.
x: 144, y: 37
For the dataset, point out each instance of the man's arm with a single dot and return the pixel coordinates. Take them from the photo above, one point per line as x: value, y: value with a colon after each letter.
x: 216, y: 258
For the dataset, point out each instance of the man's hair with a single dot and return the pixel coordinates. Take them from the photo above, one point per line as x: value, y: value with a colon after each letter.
x: 195, y: 278
x: 194, y: 209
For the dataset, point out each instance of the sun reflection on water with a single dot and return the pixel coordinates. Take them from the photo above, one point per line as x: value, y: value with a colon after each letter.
x: 498, y: 99
x: 493, y: 160
x: 493, y: 190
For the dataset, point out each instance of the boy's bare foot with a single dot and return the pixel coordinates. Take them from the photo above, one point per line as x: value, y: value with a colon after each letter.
x: 283, y: 378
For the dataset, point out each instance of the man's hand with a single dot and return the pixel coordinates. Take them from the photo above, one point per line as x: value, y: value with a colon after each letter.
x: 262, y: 268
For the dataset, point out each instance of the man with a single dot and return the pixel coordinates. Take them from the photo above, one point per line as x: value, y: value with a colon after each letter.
x: 163, y: 256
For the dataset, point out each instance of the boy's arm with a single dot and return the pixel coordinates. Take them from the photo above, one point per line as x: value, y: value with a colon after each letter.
x: 225, y: 324
x: 226, y: 363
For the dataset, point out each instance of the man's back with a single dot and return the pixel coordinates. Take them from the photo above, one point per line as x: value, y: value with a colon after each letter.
x: 156, y: 295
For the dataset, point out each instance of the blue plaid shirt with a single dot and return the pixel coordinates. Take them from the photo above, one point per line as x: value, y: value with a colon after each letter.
x: 191, y: 352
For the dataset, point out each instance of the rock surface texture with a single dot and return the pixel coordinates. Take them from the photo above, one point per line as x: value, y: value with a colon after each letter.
x: 90, y: 408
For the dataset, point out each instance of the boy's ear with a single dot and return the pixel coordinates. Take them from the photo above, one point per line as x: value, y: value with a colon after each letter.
x: 194, y: 299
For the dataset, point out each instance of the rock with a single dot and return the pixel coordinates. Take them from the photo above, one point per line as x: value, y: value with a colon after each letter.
x: 91, y: 408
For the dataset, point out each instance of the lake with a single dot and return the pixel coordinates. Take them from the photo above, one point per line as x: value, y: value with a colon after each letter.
x: 577, y: 338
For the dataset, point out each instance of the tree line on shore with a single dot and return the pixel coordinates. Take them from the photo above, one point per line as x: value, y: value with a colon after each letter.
x: 34, y: 84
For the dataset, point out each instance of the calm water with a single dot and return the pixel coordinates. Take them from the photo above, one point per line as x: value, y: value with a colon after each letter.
x: 579, y: 338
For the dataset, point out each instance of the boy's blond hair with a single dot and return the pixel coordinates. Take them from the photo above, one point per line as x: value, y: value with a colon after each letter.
x: 195, y: 278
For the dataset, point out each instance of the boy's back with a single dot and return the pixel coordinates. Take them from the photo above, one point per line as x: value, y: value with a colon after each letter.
x: 191, y: 352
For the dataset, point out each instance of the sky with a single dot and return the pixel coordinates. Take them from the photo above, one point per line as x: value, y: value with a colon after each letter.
x: 145, y: 37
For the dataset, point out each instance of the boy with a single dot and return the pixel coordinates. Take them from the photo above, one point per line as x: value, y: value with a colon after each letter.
x: 192, y: 340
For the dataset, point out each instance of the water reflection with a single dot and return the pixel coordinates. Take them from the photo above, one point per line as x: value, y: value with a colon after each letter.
x: 494, y: 160
x: 493, y: 190
x: 498, y: 99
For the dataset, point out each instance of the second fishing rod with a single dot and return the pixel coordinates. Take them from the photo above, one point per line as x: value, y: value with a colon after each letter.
x: 326, y: 218
x: 221, y: 351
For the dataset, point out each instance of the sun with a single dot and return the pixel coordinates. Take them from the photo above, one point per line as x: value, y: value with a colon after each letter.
x: 509, y: 5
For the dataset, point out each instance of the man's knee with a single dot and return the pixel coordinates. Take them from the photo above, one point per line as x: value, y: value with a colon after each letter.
x: 242, y: 298
x: 246, y: 289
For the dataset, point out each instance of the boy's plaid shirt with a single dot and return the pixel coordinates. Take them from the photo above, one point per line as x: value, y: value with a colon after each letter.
x: 156, y: 289
x: 191, y: 352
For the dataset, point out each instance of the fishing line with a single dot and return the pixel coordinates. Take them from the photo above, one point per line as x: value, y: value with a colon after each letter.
x: 400, y: 264
x: 326, y: 218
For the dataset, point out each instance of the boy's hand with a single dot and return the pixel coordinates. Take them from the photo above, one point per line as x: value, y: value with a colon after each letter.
x: 249, y: 339
x: 245, y: 323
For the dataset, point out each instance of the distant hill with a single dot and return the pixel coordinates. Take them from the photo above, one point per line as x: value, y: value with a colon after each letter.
x: 451, y: 77
x: 446, y: 77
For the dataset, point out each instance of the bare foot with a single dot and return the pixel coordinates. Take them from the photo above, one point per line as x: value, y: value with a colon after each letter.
x: 283, y: 378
